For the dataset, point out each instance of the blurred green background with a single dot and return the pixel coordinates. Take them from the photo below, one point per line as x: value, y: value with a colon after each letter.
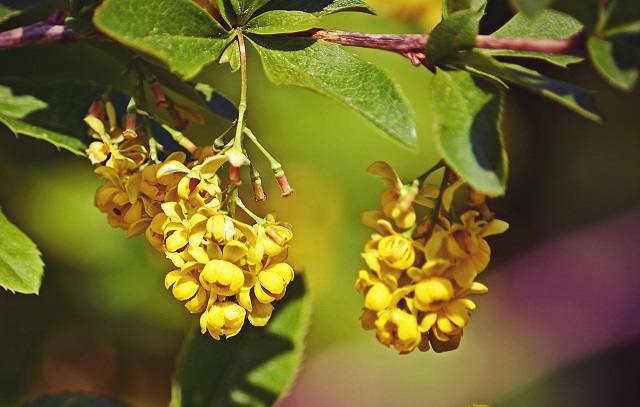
x: 559, y: 326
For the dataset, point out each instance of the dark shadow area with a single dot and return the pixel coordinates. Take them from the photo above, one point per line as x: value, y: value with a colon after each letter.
x: 59, y: 106
x: 608, y: 379
x: 227, y: 363
x: 486, y: 148
x: 282, y: 42
x: 309, y: 6
x: 76, y: 400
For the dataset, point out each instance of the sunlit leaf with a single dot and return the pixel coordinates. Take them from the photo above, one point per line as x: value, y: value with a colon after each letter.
x: 467, y: 115
x: 178, y: 32
x: 455, y: 33
x: 21, y: 267
x: 281, y: 22
x: 330, y: 70
x: 547, y: 25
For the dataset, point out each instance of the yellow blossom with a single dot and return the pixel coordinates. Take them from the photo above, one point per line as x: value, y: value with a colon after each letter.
x: 223, y: 277
x: 223, y: 319
x: 464, y: 245
x: 398, y: 329
x: 272, y: 282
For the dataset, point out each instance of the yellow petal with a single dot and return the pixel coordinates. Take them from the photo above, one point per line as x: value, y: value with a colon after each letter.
x: 262, y: 295
x: 171, y: 278
x: 198, y: 303
x: 261, y: 313
x: 495, y: 227
x: 234, y: 251
x: 185, y: 288
x: 449, y: 193
x: 173, y: 210
x: 378, y: 297
x: 96, y: 125
x: 386, y: 172
x: 177, y: 240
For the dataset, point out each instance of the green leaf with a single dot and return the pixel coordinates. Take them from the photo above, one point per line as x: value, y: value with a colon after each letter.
x: 455, y: 33
x: 585, y: 11
x: 467, y: 114
x: 566, y: 94
x: 12, y: 8
x: 75, y: 400
x: 616, y: 61
x: 282, y: 22
x: 178, y: 32
x: 329, y: 70
x: 621, y: 14
x: 51, y: 112
x: 231, y: 56
x: 254, y: 368
x: 21, y: 267
x: 319, y: 7
x: 547, y: 25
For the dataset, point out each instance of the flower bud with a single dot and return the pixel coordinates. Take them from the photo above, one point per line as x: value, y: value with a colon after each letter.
x: 161, y: 97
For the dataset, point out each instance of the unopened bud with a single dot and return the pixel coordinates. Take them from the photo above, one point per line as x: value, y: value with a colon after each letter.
x: 258, y: 191
x: 284, y: 185
x: 97, y: 109
x: 161, y: 97
x: 130, y: 121
x: 234, y: 175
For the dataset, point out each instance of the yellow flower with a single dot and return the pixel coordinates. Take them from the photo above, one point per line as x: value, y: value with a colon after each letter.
x: 274, y: 236
x: 446, y: 314
x: 464, y: 245
x: 98, y: 152
x: 272, y: 282
x: 398, y: 329
x: 431, y: 293
x: 201, y: 185
x: 125, y: 209
x: 186, y: 288
x: 378, y: 297
x: 223, y: 319
x: 223, y: 277
x: 220, y: 227
x: 396, y: 251
x: 398, y: 198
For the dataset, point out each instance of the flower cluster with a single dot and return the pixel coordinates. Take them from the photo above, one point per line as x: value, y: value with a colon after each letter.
x: 421, y: 271
x: 226, y: 270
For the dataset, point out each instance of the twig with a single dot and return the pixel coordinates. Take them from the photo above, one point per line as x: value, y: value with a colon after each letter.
x: 413, y: 45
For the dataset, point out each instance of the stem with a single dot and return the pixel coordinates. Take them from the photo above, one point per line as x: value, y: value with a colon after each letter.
x: 242, y: 107
x: 275, y: 165
x: 253, y: 216
x: 435, y: 215
x: 422, y: 178
x: 416, y: 43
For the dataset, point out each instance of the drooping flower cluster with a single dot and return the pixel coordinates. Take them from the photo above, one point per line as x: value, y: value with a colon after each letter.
x: 421, y: 271
x: 225, y: 270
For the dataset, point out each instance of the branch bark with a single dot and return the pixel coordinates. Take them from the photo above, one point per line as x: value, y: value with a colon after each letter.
x: 416, y: 43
